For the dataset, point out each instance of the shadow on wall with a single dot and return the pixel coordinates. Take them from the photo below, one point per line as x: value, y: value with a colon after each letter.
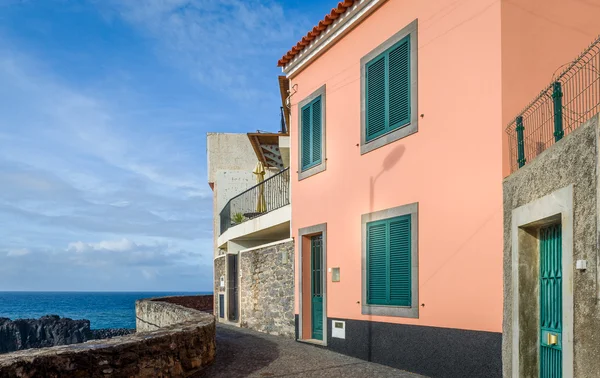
x: 388, y: 163
x: 239, y: 354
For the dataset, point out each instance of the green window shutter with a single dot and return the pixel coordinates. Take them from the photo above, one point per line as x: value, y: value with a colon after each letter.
x: 399, y: 85
x: 377, y: 286
x: 306, y: 137
x: 388, y: 87
x: 316, y: 131
x: 400, y: 261
x: 311, y: 133
x: 375, y: 98
x: 389, y: 280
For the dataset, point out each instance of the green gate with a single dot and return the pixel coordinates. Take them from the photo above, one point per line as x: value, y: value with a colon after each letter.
x: 551, y: 302
x: 316, y: 253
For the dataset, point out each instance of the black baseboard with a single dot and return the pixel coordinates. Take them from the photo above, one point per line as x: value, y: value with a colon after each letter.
x: 296, y: 317
x: 431, y: 351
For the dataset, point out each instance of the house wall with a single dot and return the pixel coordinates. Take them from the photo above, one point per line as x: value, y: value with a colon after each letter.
x: 538, y: 38
x: 460, y: 213
x: 569, y: 163
x: 220, y: 269
x: 230, y: 160
x: 451, y: 167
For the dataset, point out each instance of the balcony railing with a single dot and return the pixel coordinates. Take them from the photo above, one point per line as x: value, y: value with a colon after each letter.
x: 569, y: 100
x: 269, y: 195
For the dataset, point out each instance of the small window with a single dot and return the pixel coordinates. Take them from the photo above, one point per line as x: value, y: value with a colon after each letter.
x: 388, y: 90
x: 311, y: 133
x: 389, y: 262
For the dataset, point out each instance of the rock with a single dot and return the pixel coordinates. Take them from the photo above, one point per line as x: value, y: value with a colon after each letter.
x: 48, y: 331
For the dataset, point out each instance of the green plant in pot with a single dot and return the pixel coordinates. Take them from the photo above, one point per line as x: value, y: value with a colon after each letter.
x: 238, y: 218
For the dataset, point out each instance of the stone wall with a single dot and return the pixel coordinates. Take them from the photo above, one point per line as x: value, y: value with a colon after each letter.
x: 176, y: 350
x: 155, y: 313
x: 267, y: 289
x: 572, y: 161
x: 203, y: 303
x: 220, y: 266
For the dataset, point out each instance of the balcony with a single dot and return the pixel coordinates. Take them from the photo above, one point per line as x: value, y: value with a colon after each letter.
x: 270, y: 195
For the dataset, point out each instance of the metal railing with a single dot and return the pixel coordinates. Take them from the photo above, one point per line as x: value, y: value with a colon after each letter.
x: 269, y: 195
x: 572, y: 98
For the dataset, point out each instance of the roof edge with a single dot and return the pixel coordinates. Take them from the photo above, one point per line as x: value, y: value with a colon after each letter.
x: 306, y: 52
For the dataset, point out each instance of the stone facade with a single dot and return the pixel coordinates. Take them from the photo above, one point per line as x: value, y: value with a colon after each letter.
x: 572, y: 161
x: 175, y: 350
x: 153, y: 314
x: 267, y: 289
x: 220, y: 270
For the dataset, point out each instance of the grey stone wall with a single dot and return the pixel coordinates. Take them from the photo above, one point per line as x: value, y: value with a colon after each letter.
x: 153, y: 314
x: 220, y: 266
x: 267, y: 289
x: 179, y: 350
x: 573, y: 160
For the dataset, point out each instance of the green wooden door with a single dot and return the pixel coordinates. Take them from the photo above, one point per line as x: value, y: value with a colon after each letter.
x: 316, y: 253
x: 551, y: 302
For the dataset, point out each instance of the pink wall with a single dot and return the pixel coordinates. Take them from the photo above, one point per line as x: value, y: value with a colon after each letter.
x: 538, y: 37
x: 452, y: 166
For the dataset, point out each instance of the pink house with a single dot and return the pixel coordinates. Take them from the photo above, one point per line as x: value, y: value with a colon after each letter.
x: 397, y: 115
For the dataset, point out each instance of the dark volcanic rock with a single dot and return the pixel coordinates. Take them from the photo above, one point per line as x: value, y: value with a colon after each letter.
x: 48, y: 331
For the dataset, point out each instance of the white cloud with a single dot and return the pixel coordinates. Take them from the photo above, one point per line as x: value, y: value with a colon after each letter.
x: 18, y: 252
x: 122, y: 245
x: 229, y: 45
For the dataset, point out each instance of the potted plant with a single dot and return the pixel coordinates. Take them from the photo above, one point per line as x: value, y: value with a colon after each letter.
x: 238, y: 218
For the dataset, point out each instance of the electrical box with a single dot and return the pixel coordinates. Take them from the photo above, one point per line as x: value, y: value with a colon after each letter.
x: 335, y: 275
x: 338, y: 329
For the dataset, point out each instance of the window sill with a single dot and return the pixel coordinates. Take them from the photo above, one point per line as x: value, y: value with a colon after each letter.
x: 388, y: 138
x: 311, y: 171
x: 398, y: 311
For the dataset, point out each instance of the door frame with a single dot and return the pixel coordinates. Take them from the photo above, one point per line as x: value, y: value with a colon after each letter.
x: 304, y: 235
x: 233, y: 278
x: 226, y: 292
x: 553, y: 208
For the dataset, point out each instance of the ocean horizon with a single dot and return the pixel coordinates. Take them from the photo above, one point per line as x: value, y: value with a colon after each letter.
x: 104, y: 309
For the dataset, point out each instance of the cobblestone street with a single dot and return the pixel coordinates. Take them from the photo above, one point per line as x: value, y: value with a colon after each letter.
x: 245, y: 353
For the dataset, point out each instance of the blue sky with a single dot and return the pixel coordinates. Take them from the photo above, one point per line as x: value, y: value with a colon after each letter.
x: 105, y: 105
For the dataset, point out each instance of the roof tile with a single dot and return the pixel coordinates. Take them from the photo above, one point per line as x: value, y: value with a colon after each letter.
x: 316, y: 31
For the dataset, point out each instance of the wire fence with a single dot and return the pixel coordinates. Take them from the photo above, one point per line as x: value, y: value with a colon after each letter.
x: 572, y: 98
x: 269, y: 195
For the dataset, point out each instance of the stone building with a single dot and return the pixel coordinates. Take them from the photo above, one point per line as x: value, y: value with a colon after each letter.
x: 253, y: 251
x: 551, y: 235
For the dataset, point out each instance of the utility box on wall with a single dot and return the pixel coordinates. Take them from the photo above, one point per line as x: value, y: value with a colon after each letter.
x: 338, y: 329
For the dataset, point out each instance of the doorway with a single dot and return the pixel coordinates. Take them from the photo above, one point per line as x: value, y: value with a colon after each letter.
x: 312, y: 285
x: 550, y: 301
x: 316, y: 260
x: 232, y: 288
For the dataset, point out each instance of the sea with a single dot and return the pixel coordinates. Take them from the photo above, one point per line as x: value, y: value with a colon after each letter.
x: 102, y: 309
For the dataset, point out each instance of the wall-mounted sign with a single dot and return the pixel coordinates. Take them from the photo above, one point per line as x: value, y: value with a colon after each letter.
x: 222, y: 281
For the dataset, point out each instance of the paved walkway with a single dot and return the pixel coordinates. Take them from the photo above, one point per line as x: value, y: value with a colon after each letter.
x: 245, y: 353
